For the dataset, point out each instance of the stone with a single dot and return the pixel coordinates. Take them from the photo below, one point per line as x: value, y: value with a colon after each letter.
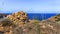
x: 18, y: 23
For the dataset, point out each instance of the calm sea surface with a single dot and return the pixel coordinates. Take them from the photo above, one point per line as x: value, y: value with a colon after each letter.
x: 39, y: 16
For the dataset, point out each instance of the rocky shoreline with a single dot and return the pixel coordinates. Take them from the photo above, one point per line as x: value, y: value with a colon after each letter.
x: 18, y: 23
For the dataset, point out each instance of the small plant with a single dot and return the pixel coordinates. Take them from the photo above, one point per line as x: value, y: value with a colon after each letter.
x: 36, y: 24
x: 58, y: 19
x: 5, y: 22
x: 37, y: 27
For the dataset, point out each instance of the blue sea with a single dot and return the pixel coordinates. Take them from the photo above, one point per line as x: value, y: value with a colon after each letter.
x: 39, y: 16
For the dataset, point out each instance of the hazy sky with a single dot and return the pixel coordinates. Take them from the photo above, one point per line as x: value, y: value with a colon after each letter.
x: 35, y: 6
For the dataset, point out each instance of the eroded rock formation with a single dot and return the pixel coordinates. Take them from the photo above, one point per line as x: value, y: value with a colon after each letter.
x: 18, y: 23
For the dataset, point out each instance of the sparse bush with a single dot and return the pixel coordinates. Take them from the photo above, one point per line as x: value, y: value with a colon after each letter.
x: 5, y: 22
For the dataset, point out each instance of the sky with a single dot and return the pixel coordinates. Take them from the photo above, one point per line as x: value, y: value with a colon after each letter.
x: 30, y: 6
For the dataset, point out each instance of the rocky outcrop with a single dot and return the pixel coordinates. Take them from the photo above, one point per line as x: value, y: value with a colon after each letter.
x: 18, y: 23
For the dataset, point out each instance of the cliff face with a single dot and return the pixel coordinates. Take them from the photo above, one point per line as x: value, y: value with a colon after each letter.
x: 14, y: 23
x: 18, y: 23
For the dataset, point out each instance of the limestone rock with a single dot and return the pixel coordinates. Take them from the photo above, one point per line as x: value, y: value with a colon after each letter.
x: 18, y: 23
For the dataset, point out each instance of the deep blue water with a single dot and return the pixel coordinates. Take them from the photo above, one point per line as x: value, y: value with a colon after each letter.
x: 39, y: 16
